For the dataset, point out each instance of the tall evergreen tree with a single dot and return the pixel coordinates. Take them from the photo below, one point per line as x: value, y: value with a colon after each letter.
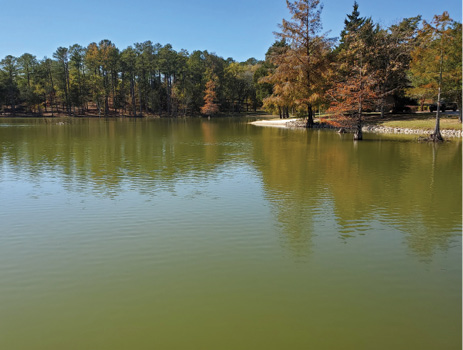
x: 352, y: 24
x: 78, y: 80
x: 195, y: 82
x: 8, y: 78
x: 62, y: 57
x: 27, y: 65
x: 48, y: 81
x: 128, y: 66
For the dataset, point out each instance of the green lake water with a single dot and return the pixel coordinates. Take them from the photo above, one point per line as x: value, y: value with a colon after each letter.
x: 197, y: 234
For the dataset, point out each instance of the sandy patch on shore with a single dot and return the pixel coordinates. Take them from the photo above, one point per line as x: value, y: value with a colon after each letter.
x: 278, y: 123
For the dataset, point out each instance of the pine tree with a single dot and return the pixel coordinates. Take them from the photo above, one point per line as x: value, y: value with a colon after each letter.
x: 27, y: 64
x: 79, y: 90
x: 352, y: 24
x: 62, y: 57
x: 8, y: 78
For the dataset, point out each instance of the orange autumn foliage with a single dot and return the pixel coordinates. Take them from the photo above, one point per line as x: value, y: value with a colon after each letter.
x: 354, y: 83
x: 210, y: 107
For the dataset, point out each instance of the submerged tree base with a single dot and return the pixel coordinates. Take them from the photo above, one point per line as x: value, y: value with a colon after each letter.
x: 436, y: 137
x: 310, y: 123
x: 430, y: 138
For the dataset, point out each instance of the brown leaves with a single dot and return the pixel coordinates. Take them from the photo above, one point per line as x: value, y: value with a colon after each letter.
x: 210, y: 107
x: 299, y: 66
x: 355, y: 81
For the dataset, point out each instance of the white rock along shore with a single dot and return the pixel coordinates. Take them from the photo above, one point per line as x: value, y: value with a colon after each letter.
x: 298, y: 123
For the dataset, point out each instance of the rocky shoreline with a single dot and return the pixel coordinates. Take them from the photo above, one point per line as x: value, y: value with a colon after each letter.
x: 378, y: 129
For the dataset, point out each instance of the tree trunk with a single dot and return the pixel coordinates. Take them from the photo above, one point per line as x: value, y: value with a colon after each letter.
x: 52, y: 92
x: 99, y: 107
x: 358, y: 134
x: 459, y: 108
x: 113, y: 83
x: 13, y: 107
x: 106, y: 105
x: 11, y: 94
x: 422, y: 104
x: 309, y: 116
x: 169, y: 100
x: 68, y: 84
x: 139, y: 96
x: 132, y: 93
x: 383, y: 101
x: 81, y: 93
x: 436, y: 135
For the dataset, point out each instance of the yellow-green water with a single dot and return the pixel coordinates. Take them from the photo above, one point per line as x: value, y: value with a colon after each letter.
x: 197, y: 234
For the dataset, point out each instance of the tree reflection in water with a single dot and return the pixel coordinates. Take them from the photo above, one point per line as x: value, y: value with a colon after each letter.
x: 309, y: 177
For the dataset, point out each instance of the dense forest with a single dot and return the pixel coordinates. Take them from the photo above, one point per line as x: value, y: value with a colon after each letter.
x: 368, y: 68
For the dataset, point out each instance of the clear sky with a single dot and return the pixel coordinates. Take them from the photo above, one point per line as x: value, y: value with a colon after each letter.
x: 235, y: 28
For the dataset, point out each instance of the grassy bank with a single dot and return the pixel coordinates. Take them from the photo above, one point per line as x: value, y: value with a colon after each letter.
x: 420, y: 121
x: 423, y: 121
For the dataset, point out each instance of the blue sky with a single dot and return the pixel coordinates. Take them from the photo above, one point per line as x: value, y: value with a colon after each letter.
x: 239, y: 29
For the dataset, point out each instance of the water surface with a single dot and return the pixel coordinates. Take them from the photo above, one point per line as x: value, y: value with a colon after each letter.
x: 197, y: 234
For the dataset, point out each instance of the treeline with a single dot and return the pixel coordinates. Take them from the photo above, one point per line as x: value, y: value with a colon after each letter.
x: 143, y: 79
x: 370, y: 68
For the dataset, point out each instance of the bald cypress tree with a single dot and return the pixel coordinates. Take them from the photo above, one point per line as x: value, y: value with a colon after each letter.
x: 307, y: 52
x: 210, y: 106
x: 354, y: 81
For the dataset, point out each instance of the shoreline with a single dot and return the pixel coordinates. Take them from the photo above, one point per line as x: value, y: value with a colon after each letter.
x: 367, y: 128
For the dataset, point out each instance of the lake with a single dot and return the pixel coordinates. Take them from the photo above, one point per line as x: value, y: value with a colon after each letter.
x: 218, y: 234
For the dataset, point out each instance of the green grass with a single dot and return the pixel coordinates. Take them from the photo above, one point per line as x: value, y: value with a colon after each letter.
x: 445, y: 123
x: 424, y: 121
